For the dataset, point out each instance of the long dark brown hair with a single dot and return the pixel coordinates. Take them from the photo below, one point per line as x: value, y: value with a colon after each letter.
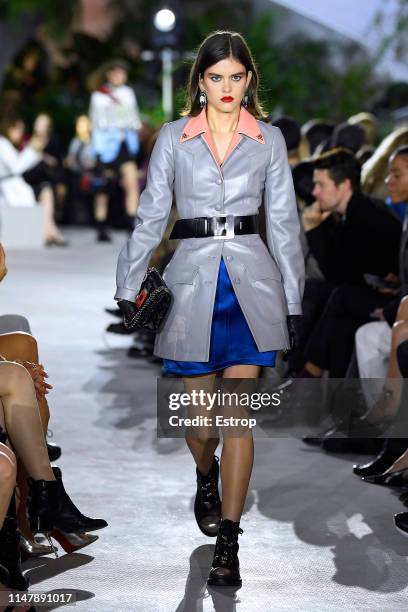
x: 217, y: 46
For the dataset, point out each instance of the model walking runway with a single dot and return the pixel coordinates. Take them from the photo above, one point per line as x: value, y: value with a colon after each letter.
x: 317, y: 539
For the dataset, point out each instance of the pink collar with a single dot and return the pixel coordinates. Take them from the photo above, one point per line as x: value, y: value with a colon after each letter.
x: 247, y: 124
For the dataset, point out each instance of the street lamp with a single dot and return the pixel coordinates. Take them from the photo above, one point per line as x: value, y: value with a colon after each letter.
x: 165, y: 21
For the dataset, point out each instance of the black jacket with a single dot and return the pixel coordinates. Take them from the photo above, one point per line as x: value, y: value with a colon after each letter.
x: 364, y: 240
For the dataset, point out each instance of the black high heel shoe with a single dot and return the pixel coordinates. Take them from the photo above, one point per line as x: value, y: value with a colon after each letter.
x: 378, y: 465
x: 207, y: 504
x: 389, y: 479
x: 225, y: 565
x: 51, y: 513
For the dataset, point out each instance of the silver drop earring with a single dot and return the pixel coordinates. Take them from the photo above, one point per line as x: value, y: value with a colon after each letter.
x: 245, y: 100
x: 203, y: 99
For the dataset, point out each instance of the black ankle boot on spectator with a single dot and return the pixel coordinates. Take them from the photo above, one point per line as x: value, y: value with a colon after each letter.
x: 54, y: 451
x: 52, y: 513
x: 43, y: 505
x: 69, y: 518
x: 207, y: 504
x: 225, y: 565
x: 10, y: 555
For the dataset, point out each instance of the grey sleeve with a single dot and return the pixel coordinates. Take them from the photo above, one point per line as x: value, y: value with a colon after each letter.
x: 282, y: 224
x: 151, y: 221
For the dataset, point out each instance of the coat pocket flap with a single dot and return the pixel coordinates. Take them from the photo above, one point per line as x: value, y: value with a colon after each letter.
x: 263, y: 272
x: 180, y: 273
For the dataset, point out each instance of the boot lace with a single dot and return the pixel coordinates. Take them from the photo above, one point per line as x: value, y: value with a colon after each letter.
x: 208, y: 487
x: 226, y: 549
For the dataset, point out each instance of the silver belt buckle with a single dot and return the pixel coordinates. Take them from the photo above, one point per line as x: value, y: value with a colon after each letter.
x: 224, y: 229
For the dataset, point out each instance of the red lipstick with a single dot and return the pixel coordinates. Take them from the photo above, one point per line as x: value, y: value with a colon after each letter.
x: 227, y: 99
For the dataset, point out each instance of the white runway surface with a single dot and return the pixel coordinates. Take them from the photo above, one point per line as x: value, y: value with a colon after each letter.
x: 315, y: 537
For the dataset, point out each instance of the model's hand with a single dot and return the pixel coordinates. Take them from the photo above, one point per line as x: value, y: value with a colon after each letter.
x: 129, y: 311
x: 295, y: 329
x: 3, y: 267
x: 313, y: 216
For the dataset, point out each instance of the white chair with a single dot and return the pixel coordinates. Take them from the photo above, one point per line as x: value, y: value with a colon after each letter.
x: 21, y: 227
x: 21, y: 218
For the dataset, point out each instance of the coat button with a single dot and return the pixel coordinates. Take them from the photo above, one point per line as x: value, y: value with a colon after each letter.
x: 229, y: 258
x: 218, y: 181
x: 236, y: 281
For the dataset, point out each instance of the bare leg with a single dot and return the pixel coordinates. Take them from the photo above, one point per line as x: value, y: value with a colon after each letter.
x: 20, y: 345
x: 20, y: 418
x: 131, y: 186
x: 46, y: 199
x: 7, y: 479
x: 237, y: 457
x: 101, y: 207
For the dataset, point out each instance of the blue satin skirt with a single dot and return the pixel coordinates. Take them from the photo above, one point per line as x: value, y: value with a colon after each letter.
x: 231, y: 340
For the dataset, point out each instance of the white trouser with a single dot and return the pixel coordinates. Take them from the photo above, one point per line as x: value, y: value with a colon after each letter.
x: 373, y: 347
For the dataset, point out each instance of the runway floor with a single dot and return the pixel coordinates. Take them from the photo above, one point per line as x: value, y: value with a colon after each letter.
x: 315, y: 537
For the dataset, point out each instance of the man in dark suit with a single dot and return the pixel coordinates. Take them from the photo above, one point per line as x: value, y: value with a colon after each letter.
x: 350, y: 235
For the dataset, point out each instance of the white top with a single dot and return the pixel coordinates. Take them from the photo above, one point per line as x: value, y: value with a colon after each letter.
x: 121, y: 112
x: 15, y: 162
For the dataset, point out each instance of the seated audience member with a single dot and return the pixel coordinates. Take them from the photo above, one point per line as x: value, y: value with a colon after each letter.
x: 50, y: 509
x: 369, y: 123
x: 375, y: 170
x: 291, y: 133
x: 20, y: 347
x: 314, y: 133
x: 376, y: 341
x: 350, y: 235
x: 379, y: 344
x: 47, y: 178
x: 347, y: 136
x: 82, y: 180
x: 14, y: 162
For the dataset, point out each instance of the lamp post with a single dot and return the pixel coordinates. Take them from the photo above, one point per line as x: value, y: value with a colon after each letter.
x: 165, y: 21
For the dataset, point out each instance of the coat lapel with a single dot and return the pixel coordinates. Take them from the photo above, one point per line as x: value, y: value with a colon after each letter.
x: 246, y: 139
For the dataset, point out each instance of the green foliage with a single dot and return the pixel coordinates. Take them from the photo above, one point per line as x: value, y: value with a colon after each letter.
x: 299, y: 76
x: 56, y: 14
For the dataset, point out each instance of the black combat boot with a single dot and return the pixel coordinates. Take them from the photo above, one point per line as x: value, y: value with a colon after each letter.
x: 225, y: 565
x: 207, y: 504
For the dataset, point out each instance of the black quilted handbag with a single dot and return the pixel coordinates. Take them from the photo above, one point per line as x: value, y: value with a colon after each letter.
x: 152, y: 302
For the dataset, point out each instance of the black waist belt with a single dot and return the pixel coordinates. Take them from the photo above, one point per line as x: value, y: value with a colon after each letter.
x: 226, y: 226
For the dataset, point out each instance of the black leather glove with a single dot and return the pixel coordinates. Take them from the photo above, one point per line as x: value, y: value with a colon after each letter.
x: 128, y: 310
x: 295, y: 329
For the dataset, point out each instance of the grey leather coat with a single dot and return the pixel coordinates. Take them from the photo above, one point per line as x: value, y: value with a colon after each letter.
x: 268, y: 282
